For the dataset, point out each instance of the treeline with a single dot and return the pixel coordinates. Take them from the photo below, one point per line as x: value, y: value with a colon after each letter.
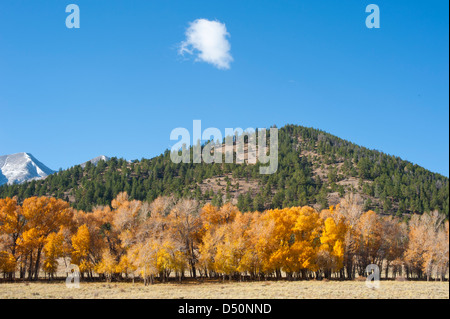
x: 391, y: 185
x: 170, y: 238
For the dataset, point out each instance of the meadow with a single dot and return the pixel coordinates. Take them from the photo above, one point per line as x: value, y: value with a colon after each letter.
x: 228, y: 290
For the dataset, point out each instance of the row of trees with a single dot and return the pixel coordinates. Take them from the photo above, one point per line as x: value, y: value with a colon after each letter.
x: 169, y: 237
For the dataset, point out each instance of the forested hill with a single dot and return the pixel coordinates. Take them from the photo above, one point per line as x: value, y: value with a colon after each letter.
x: 315, y: 168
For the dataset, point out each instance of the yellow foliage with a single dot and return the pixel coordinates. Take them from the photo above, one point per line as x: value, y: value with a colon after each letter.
x: 81, y: 243
x: 7, y: 262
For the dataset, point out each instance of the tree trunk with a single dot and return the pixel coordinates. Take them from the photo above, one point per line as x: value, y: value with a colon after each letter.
x: 36, y: 269
x: 30, y: 268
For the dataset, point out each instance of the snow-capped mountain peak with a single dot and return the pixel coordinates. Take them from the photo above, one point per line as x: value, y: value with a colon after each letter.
x: 96, y: 160
x: 21, y: 167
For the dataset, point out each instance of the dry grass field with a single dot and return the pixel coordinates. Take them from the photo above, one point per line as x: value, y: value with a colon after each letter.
x: 232, y: 290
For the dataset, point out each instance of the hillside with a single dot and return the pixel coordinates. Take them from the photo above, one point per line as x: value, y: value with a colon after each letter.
x: 21, y: 167
x: 315, y: 168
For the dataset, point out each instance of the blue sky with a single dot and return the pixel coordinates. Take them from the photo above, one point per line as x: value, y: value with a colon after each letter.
x: 118, y: 86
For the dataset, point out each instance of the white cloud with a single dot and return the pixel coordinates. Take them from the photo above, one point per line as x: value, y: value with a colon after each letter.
x: 207, y: 40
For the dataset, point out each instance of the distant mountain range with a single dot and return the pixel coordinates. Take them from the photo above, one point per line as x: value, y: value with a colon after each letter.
x: 22, y: 167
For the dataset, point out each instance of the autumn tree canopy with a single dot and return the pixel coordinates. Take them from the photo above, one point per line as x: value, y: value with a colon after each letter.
x: 174, y: 237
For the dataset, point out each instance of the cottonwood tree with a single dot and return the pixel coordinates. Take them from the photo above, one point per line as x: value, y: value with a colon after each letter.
x: 421, y: 255
x: 185, y: 224
x: 44, y: 216
x: 351, y: 209
x: 368, y: 235
x: 53, y: 249
x: 12, y: 225
x: 394, y: 242
x: 330, y: 257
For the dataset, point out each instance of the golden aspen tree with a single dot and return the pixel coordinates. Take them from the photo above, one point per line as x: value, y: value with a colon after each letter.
x: 223, y: 260
x: 241, y: 238
x: 283, y: 238
x: 151, y: 234
x: 107, y: 266
x: 164, y: 259
x: 81, y: 244
x: 231, y: 248
x: 369, y: 239
x: 434, y: 225
x: 116, y: 224
x: 12, y: 224
x: 53, y: 249
x: 207, y: 250
x: 44, y: 216
x: 162, y: 206
x: 145, y: 260
x: 7, y: 263
x: 210, y: 216
x: 138, y: 229
x: 27, y: 245
x: 441, y: 252
x: 414, y: 254
x: 331, y: 253
x: 212, y: 219
x: 228, y: 213
x: 127, y: 217
x: 185, y: 224
x: 125, y: 266
x: 420, y: 256
x: 266, y: 243
x: 351, y: 209
x: 174, y: 259
x: 260, y: 244
x: 394, y: 241
x: 307, y: 230
x: 90, y: 232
